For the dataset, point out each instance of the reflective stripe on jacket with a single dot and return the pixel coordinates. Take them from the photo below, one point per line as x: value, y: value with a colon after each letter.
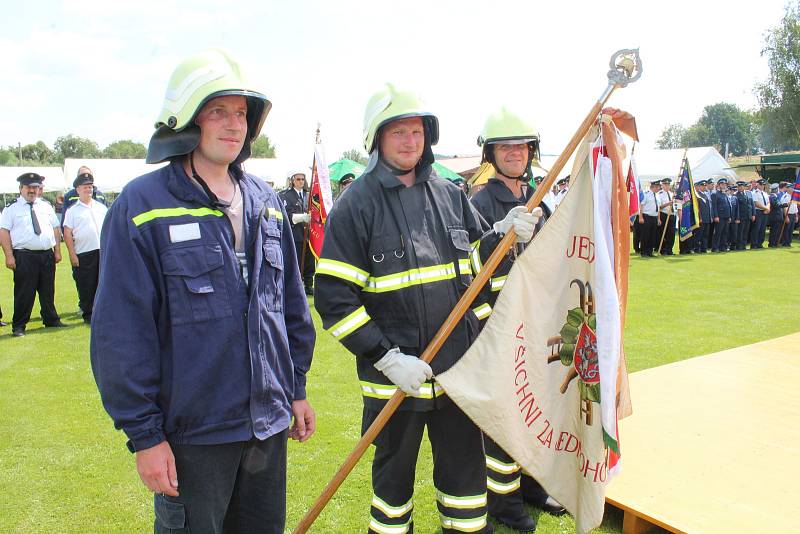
x: 181, y: 346
x: 395, y: 262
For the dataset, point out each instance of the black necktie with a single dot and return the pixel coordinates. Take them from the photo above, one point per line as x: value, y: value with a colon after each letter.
x: 36, y: 228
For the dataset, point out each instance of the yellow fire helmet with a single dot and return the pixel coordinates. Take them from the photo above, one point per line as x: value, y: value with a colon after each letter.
x: 391, y: 104
x: 196, y: 80
x: 505, y: 127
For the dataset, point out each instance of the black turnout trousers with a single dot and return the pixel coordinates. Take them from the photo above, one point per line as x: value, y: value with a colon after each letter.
x: 459, y: 470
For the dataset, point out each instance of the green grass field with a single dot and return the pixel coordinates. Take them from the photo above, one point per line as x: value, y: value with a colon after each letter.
x: 63, y: 468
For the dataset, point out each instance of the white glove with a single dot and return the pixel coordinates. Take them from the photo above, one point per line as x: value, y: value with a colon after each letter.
x: 298, y: 218
x: 406, y: 372
x: 523, y: 222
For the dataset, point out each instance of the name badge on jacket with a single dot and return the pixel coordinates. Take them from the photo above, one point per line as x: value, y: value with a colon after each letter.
x: 183, y: 232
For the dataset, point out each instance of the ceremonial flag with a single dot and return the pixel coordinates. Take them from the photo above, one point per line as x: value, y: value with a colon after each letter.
x: 320, y: 201
x: 635, y: 193
x: 686, y: 197
x: 550, y: 356
x: 796, y: 191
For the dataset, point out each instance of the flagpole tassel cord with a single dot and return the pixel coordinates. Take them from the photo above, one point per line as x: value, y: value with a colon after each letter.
x: 625, y: 68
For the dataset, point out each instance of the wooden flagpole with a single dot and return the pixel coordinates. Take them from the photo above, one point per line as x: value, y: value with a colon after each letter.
x: 623, y: 65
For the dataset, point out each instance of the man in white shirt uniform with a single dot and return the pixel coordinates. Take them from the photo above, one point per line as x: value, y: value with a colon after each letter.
x: 82, y: 225
x: 2, y: 322
x: 665, y: 201
x: 563, y: 187
x: 790, y: 215
x: 649, y: 221
x: 31, y: 240
x: 758, y: 230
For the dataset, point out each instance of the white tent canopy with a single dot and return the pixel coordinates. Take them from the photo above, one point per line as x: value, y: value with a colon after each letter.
x: 53, y: 178
x: 705, y: 163
x: 111, y: 175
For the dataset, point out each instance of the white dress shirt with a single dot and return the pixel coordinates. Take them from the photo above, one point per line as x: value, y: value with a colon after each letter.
x: 649, y: 204
x: 665, y: 196
x: 85, y: 221
x: 17, y: 220
x: 760, y: 196
x: 559, y: 196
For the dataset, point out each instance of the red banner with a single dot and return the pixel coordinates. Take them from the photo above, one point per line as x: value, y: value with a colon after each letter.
x: 320, y: 202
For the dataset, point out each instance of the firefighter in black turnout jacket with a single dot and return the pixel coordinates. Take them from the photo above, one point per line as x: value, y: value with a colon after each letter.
x: 396, y: 259
x: 510, y: 144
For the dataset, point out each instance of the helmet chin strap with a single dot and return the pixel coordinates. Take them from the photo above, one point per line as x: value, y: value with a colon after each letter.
x: 396, y: 170
x: 521, y: 177
x: 524, y: 177
x: 211, y: 196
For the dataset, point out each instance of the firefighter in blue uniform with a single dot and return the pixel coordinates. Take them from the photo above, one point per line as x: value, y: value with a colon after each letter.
x: 400, y: 248
x: 201, y: 334
x: 746, y: 215
x: 704, y: 213
x: 775, y: 217
x: 511, y: 145
x: 721, y: 207
x: 733, y: 227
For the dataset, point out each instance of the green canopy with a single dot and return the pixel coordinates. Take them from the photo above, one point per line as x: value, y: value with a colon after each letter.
x: 337, y: 169
x: 444, y: 172
x: 343, y: 166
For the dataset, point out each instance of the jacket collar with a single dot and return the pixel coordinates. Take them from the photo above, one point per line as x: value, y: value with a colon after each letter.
x: 182, y: 187
x: 390, y: 181
x: 501, y: 192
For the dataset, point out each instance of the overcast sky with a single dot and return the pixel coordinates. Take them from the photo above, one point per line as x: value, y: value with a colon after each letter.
x: 99, y: 69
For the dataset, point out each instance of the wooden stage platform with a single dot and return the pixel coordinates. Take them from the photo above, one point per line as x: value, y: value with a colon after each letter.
x: 713, y: 444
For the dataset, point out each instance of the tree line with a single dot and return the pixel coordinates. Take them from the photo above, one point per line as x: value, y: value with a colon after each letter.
x: 775, y: 125
x: 72, y: 146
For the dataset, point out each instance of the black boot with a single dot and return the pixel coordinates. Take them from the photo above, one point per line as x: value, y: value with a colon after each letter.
x: 509, y: 510
x: 533, y: 493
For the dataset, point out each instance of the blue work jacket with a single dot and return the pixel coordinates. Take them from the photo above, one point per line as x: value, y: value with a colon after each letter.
x: 182, y: 346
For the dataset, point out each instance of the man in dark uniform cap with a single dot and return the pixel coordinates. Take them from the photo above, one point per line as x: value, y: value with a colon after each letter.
x: 733, y: 228
x: 71, y: 196
x: 746, y: 215
x: 562, y: 190
x: 344, y: 183
x: 722, y: 216
x: 82, y: 225
x: 31, y: 240
x: 775, y: 217
x: 704, y: 213
x: 295, y: 200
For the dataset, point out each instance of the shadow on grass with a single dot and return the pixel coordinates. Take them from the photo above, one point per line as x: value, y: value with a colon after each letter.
x: 40, y: 330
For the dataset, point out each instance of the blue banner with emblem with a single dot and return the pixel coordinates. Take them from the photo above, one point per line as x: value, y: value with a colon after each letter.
x: 686, y: 197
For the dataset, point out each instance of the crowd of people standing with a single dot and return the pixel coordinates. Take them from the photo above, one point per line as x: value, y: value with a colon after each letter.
x: 731, y: 217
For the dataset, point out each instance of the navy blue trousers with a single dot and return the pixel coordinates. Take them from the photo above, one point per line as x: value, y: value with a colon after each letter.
x: 227, y: 489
